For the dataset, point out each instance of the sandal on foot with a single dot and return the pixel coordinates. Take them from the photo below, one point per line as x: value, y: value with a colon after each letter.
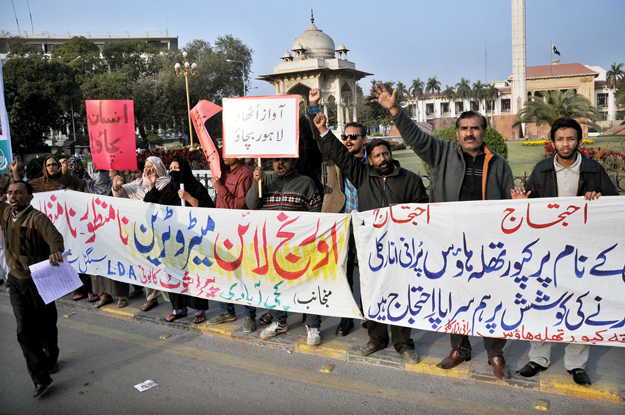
x: 80, y: 296
x: 148, y: 305
x: 122, y: 302
x: 266, y: 318
x: 93, y: 298
x: 170, y: 318
x: 199, y: 319
x: 103, y: 301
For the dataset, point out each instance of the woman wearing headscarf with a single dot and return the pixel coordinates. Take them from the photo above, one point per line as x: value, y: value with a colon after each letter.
x: 196, y: 195
x: 97, y: 288
x: 51, y: 175
x: 137, y: 189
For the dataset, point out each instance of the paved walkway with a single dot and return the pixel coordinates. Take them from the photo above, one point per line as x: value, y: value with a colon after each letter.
x: 605, y: 366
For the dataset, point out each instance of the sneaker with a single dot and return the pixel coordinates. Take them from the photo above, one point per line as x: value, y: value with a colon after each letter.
x: 222, y: 318
x: 273, y: 329
x: 249, y: 324
x: 314, y: 337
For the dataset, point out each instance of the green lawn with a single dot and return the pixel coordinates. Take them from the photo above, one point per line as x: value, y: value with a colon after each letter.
x: 521, y: 158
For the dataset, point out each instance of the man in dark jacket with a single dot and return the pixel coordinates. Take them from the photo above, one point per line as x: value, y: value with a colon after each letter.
x: 380, y: 184
x: 469, y: 171
x: 566, y: 173
x: 31, y: 238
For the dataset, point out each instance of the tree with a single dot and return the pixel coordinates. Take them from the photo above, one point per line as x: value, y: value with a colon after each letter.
x: 433, y: 85
x: 463, y: 89
x: 614, y: 75
x: 556, y: 104
x: 402, y: 92
x: 479, y: 92
x: 491, y: 94
x: 416, y: 91
x: 39, y: 94
x: 379, y: 114
x: 18, y: 47
x: 81, y: 54
x: 449, y: 93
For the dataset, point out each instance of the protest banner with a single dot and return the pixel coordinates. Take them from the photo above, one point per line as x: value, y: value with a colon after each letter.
x: 261, y: 126
x: 5, y: 136
x: 548, y: 269
x: 291, y: 261
x: 199, y: 115
x: 112, y: 134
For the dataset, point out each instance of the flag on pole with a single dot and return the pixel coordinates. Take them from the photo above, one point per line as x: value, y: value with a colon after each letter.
x: 5, y: 136
x: 554, y: 50
x: 199, y: 115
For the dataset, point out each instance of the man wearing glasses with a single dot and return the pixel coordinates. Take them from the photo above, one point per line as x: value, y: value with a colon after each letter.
x: 51, y: 175
x: 340, y: 195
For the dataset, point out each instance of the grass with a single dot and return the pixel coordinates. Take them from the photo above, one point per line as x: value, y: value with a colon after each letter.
x: 522, y: 159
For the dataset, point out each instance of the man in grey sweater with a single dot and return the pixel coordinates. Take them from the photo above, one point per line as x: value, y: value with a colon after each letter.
x: 469, y: 171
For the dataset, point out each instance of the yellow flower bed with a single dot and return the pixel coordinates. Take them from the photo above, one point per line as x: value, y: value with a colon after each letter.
x: 543, y: 142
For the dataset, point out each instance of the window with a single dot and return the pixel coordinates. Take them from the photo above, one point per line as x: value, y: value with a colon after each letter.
x: 475, y: 106
x: 602, y: 100
x: 445, y: 107
x: 47, y: 48
x: 429, y: 109
x: 505, y: 105
x: 603, y: 115
x: 459, y: 107
x: 489, y: 105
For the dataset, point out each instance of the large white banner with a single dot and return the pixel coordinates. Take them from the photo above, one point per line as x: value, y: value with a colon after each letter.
x: 292, y: 261
x: 545, y: 269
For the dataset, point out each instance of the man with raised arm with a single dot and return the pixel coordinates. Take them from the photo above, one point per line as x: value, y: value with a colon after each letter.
x: 468, y: 171
x: 565, y: 174
x: 380, y: 184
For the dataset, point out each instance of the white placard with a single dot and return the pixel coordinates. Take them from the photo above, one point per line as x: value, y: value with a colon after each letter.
x: 53, y: 282
x: 261, y: 126
x: 148, y: 384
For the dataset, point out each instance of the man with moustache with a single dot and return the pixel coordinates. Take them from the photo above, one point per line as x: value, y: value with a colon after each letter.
x: 31, y: 238
x: 565, y: 174
x: 379, y: 184
x: 468, y: 171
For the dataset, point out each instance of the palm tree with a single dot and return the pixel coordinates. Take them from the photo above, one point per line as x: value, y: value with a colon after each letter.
x: 416, y: 91
x: 449, y: 94
x: 491, y: 94
x: 401, y: 92
x: 479, y: 93
x: 463, y: 89
x: 433, y: 85
x: 556, y: 104
x: 614, y: 75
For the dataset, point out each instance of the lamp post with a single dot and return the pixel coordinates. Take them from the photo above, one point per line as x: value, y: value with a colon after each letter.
x: 243, y: 65
x: 185, y: 69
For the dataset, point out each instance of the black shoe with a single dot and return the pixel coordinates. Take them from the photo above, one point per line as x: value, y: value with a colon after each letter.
x: 41, y: 387
x: 344, y: 327
x: 580, y: 377
x: 531, y: 369
x: 54, y: 369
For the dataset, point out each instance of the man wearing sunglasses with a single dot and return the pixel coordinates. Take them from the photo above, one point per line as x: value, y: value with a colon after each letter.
x: 379, y: 184
x: 340, y: 195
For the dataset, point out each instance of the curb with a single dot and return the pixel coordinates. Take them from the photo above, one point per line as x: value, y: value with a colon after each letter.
x: 339, y: 350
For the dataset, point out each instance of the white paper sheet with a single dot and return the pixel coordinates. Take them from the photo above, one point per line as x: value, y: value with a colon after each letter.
x: 54, y: 282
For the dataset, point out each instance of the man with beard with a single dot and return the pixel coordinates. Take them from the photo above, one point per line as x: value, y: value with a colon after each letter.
x: 468, y: 171
x: 380, y: 184
x: 289, y: 191
x: 31, y: 238
x: 567, y: 173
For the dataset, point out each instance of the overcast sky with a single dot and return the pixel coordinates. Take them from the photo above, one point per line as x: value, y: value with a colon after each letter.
x: 399, y: 40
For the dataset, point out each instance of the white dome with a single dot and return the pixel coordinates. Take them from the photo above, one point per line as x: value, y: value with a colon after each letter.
x: 316, y: 43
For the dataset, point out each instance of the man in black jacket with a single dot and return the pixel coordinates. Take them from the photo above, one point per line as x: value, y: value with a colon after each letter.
x: 380, y: 184
x: 566, y: 173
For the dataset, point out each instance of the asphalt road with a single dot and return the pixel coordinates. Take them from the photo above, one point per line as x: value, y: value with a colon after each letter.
x: 102, y: 358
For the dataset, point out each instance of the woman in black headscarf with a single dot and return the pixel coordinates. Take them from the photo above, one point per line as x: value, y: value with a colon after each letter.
x: 183, y: 186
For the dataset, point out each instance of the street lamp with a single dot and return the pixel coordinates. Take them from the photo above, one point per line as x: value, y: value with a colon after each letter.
x: 186, y: 69
x: 243, y: 65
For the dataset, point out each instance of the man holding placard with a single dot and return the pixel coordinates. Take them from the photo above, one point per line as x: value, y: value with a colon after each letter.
x: 290, y: 191
x: 31, y: 238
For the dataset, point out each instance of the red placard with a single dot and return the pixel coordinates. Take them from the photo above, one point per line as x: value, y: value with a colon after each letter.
x: 112, y: 134
x: 199, y: 115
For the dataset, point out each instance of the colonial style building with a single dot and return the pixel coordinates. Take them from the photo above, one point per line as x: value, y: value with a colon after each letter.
x: 317, y: 63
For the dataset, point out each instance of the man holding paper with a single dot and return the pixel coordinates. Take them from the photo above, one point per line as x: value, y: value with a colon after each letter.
x: 31, y: 238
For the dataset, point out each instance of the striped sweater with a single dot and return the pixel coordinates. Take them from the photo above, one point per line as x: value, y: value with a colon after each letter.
x: 292, y: 192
